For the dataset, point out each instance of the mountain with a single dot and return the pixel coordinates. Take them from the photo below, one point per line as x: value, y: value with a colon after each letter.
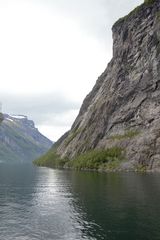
x: 20, y: 141
x: 1, y: 117
x: 118, y: 126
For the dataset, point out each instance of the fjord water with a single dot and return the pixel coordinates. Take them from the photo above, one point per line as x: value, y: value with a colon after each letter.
x: 46, y: 204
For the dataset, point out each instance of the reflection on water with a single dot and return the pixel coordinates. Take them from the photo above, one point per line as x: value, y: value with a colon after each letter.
x: 41, y: 203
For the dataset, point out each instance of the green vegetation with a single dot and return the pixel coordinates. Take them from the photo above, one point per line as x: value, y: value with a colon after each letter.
x: 98, y: 159
x: 108, y: 159
x: 149, y: 1
x: 141, y: 168
x: 112, y: 165
x: 128, y: 134
x: 134, y: 11
x: 50, y: 159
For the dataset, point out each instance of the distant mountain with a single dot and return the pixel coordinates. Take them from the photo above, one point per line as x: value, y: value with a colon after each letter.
x: 20, y: 141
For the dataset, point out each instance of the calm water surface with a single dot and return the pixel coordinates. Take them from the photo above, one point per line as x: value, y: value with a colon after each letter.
x: 46, y: 204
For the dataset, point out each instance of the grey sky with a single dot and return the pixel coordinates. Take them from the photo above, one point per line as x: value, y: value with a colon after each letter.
x: 52, y: 52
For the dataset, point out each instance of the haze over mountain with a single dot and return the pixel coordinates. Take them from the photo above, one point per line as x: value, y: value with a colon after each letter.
x: 20, y: 141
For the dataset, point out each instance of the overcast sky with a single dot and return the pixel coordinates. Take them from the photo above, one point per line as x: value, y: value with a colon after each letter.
x: 51, y: 53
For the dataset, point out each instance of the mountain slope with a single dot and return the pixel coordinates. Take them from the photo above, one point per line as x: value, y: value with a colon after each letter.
x: 123, y: 109
x: 1, y: 117
x: 20, y: 141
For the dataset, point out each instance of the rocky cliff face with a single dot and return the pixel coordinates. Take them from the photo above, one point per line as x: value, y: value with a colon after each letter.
x: 123, y: 109
x: 20, y: 141
x: 1, y: 117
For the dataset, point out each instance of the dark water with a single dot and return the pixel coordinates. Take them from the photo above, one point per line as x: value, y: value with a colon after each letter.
x: 40, y: 203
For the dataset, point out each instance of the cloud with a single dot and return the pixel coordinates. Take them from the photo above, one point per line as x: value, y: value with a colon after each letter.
x: 51, y: 55
x: 94, y: 17
x: 43, y: 108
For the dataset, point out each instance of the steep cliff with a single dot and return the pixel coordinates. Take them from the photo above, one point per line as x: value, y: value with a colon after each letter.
x: 20, y: 141
x: 1, y: 117
x: 123, y: 109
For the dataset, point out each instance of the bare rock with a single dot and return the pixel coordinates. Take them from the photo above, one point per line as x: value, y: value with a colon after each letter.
x: 126, y: 97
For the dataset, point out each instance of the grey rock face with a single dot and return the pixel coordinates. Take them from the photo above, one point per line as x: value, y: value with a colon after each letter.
x: 20, y: 141
x: 1, y: 117
x: 126, y: 97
